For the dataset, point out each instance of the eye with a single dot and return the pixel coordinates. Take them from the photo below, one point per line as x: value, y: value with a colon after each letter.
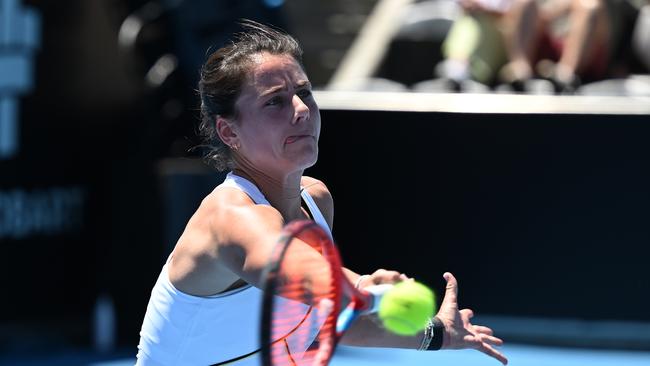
x: 275, y: 101
x: 304, y: 93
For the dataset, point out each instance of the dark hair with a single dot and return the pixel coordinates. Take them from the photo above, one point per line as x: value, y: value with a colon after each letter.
x: 223, y: 75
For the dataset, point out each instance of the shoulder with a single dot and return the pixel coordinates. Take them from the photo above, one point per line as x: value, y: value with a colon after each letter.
x: 321, y: 195
x: 227, y: 231
x: 228, y: 211
x: 315, y: 187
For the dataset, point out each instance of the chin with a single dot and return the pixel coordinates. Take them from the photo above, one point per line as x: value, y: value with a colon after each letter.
x: 308, y: 161
x: 303, y: 154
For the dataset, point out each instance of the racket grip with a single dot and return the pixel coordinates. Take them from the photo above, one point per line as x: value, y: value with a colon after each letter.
x: 376, y: 292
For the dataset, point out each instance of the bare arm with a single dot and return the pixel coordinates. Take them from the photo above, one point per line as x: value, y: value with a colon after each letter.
x: 459, y: 332
x: 231, y: 238
x: 220, y: 246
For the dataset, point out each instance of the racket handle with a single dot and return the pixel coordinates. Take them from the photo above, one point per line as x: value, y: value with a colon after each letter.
x: 367, y: 303
x: 376, y: 292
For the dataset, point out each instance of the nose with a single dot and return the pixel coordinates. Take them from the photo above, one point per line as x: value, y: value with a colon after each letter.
x: 301, y: 111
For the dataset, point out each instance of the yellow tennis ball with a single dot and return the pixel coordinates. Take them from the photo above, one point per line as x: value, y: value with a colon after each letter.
x: 406, y: 308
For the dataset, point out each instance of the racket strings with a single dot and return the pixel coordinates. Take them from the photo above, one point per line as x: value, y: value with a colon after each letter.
x: 286, y: 345
x: 304, y: 308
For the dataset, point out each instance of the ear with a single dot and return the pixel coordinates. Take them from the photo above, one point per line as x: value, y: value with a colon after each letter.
x: 226, y: 131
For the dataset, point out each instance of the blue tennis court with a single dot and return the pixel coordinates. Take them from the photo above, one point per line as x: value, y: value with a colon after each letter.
x: 518, y: 354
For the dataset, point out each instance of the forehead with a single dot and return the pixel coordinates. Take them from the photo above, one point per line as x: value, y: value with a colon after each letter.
x: 273, y: 70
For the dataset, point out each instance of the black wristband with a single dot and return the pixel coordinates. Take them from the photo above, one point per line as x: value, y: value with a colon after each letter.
x: 438, y: 333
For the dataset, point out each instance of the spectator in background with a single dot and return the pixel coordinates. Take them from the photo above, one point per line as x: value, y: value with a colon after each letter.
x: 565, y: 41
x: 638, y: 45
x: 512, y: 41
x: 474, y: 48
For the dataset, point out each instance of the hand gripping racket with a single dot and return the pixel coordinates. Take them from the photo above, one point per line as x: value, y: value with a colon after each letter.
x: 308, y: 302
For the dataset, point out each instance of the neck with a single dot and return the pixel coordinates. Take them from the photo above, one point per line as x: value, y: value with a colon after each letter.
x: 281, y: 190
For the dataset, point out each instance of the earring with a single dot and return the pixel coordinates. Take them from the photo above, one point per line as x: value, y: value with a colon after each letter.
x: 234, y: 146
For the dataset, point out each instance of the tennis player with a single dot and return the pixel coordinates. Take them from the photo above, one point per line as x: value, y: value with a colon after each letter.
x: 263, y: 124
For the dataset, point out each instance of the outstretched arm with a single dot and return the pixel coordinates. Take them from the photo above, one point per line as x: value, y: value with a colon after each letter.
x: 459, y: 332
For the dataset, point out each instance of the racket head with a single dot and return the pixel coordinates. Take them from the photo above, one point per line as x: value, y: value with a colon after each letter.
x: 303, y: 285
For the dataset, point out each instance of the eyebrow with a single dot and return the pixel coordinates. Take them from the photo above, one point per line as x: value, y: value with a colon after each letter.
x: 275, y: 89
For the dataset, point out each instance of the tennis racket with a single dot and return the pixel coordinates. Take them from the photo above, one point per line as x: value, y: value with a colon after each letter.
x: 308, y: 302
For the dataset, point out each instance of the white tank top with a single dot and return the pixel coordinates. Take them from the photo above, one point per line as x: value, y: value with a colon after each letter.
x: 182, y: 329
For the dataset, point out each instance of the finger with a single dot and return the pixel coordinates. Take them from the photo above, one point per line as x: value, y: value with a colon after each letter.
x: 491, y: 340
x: 393, y: 277
x: 490, y: 351
x: 451, y: 290
x: 378, y: 276
x: 381, y: 276
x: 404, y: 277
x: 467, y: 314
x: 483, y: 330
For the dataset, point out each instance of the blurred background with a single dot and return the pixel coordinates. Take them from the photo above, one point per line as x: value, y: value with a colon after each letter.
x: 527, y: 176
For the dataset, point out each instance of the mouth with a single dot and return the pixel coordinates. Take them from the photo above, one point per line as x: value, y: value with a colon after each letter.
x: 292, y: 139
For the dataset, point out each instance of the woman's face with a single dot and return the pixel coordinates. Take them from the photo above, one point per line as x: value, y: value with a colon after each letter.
x: 278, y: 121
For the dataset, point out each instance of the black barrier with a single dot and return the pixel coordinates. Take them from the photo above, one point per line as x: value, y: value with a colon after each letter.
x: 541, y: 216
